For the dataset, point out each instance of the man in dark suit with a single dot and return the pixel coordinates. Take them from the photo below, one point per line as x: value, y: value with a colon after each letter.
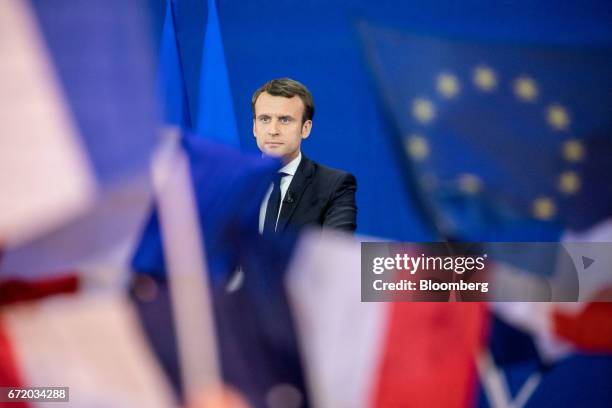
x: 305, y: 192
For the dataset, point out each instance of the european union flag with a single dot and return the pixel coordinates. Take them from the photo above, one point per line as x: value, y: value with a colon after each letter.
x: 501, y: 142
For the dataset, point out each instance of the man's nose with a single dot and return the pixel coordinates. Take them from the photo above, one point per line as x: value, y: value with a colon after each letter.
x: 273, y: 128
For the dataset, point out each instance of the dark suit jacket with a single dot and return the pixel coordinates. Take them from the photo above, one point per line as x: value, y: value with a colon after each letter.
x: 319, y: 195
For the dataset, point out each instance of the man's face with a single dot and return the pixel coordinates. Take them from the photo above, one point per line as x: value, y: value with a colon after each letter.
x: 278, y: 126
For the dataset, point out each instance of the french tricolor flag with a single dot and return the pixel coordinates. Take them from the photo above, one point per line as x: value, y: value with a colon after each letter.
x: 414, y: 354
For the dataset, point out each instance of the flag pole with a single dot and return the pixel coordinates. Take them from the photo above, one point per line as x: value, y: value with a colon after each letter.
x: 186, y: 267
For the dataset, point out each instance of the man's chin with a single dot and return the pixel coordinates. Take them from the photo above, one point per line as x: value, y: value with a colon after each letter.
x: 274, y: 154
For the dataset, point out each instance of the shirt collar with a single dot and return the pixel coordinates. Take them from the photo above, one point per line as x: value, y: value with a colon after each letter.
x: 291, y: 167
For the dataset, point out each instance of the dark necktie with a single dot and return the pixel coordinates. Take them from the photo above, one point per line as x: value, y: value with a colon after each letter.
x: 273, y: 206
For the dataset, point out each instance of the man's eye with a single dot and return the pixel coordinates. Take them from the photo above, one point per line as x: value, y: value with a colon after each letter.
x: 264, y: 119
x: 285, y: 120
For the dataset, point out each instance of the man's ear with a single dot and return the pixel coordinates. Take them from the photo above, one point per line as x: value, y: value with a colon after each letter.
x: 306, y: 128
x: 254, y: 135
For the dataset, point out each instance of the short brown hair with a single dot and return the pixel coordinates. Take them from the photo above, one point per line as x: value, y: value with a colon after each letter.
x: 288, y: 88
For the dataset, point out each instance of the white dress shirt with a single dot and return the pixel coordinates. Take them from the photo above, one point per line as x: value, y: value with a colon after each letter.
x: 290, y: 169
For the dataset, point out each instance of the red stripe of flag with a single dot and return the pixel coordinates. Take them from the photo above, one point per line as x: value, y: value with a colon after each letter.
x: 9, y: 373
x: 590, y: 330
x: 429, y: 358
x: 15, y: 290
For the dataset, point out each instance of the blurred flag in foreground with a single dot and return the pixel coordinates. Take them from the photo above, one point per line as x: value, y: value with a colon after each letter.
x: 45, y: 177
x: 257, y: 348
x: 81, y: 125
x: 503, y: 142
x: 79, y: 119
x: 91, y: 344
x: 228, y: 199
x: 403, y: 354
x: 377, y: 354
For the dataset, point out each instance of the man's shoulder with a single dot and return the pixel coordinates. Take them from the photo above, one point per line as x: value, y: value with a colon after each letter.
x: 328, y: 173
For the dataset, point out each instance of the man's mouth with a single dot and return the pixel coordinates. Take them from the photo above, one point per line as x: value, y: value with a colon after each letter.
x: 273, y: 144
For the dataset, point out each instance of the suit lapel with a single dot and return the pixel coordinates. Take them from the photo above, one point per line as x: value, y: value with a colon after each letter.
x: 300, y: 181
